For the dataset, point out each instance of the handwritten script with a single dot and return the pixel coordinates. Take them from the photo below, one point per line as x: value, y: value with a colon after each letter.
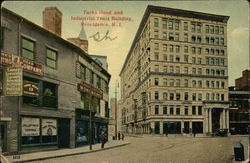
x: 97, y: 37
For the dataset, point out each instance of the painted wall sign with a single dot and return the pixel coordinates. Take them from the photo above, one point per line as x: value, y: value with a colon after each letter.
x: 27, y: 65
x: 89, y: 89
x: 13, y: 81
x: 49, y: 127
x: 30, y: 88
x: 30, y: 126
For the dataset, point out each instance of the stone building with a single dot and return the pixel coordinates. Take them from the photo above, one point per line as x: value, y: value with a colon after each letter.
x: 175, y: 77
x: 239, y: 98
x: 56, y: 88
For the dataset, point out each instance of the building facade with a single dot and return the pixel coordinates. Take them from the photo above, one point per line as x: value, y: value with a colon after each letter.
x: 55, y: 90
x: 175, y: 76
x: 239, y: 98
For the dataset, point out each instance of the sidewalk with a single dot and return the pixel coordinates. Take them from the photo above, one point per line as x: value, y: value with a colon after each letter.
x: 63, y: 152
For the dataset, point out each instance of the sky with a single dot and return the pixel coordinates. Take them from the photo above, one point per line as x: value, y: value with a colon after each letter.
x: 121, y: 36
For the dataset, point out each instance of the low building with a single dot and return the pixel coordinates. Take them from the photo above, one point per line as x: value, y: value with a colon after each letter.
x: 46, y: 103
x: 239, y: 98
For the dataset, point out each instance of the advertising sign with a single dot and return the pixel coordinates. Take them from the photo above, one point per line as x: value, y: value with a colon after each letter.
x: 13, y: 81
x: 27, y: 65
x: 30, y: 126
x: 89, y: 89
x: 30, y: 88
x: 49, y: 127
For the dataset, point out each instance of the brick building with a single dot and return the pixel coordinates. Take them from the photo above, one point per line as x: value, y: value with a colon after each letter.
x: 58, y: 86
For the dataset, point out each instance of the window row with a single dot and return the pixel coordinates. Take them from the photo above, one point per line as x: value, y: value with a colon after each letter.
x: 186, y: 83
x: 215, y: 61
x: 167, y: 23
x: 187, y: 96
x: 176, y: 110
x: 28, y: 51
x: 214, y: 41
x: 214, y: 29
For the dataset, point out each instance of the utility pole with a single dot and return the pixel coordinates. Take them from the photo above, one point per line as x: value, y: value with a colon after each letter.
x: 90, y: 124
x: 116, y: 109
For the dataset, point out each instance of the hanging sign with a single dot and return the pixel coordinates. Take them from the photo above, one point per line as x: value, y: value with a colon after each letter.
x: 89, y: 89
x: 30, y: 126
x: 13, y: 81
x: 49, y: 127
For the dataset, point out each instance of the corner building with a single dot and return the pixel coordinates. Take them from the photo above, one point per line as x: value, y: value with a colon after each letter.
x: 175, y: 76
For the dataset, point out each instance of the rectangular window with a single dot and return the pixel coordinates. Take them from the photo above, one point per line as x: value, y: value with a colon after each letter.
x: 171, y: 48
x: 211, y: 29
x: 164, y: 36
x: 156, y: 81
x: 99, y: 84
x: 176, y: 37
x: 156, y: 22
x: 177, y: 25
x: 178, y: 96
x: 200, y: 84
x: 164, y: 23
x: 156, y: 46
x: 186, y: 83
x: 178, y: 110
x: 207, y: 84
x: 156, y: 56
x: 186, y: 26
x: 177, y: 49
x: 171, y: 82
x: 222, y: 97
x: 51, y: 58
x: 186, y: 58
x: 165, y: 69
x: 186, y: 96
x: 177, y: 69
x: 83, y: 72
x: 170, y: 24
x: 156, y: 95
x: 194, y: 71
x: 207, y: 96
x: 165, y: 81
x: 193, y: 60
x: 200, y: 110
x: 221, y: 41
x: 185, y: 49
x: 193, y: 27
x: 194, y: 96
x: 28, y: 49
x: 165, y: 96
x: 171, y: 36
x: 193, y: 110
x: 165, y: 57
x: 171, y: 96
x: 164, y: 47
x: 177, y: 59
x: 186, y: 70
x: 216, y: 42
x: 216, y: 31
x: 199, y: 39
x: 207, y: 40
x: 156, y: 68
x: 194, y: 83
x: 199, y: 97
x: 198, y: 28
x: 171, y: 109
x: 177, y: 82
x: 207, y: 28
x: 156, y: 109
x: 186, y: 110
x: 199, y: 62
x: 186, y: 37
x: 156, y: 34
x: 171, y: 69
x: 91, y: 77
x: 165, y: 109
x: 221, y: 30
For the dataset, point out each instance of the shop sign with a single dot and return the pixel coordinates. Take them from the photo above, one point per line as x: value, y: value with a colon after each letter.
x: 27, y: 65
x: 30, y: 88
x: 49, y: 127
x: 89, y: 89
x: 30, y: 126
x: 13, y: 81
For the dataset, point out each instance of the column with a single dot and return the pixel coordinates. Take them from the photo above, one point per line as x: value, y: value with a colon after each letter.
x: 190, y: 126
x: 152, y: 125
x: 210, y: 120
x: 224, y: 118
x: 206, y: 120
x: 182, y: 126
x: 227, y: 118
x: 161, y: 127
x: 221, y: 119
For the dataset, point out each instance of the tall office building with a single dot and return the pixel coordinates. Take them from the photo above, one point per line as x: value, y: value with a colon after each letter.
x: 175, y: 77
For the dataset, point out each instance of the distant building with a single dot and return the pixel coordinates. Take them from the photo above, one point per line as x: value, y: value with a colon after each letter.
x: 239, y: 98
x: 112, y: 119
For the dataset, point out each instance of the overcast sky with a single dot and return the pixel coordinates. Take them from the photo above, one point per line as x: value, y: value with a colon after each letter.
x: 116, y: 50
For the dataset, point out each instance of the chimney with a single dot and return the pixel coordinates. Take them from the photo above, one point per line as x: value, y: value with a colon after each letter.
x: 52, y: 20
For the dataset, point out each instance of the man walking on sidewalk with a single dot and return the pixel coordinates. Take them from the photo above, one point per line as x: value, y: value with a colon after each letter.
x: 103, y: 139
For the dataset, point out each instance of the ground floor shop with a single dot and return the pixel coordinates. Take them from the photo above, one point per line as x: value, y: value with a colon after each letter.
x: 212, y: 119
x: 82, y: 130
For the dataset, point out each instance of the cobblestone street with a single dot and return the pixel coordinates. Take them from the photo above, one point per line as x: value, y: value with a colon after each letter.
x: 163, y: 150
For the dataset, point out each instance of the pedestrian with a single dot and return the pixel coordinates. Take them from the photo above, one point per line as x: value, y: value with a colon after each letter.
x: 122, y: 136
x: 119, y: 135
x: 194, y: 133
x: 102, y: 139
x: 166, y: 132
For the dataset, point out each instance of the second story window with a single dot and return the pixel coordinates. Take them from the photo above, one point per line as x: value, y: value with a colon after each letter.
x: 51, y: 58
x: 156, y: 22
x: 28, y: 49
x: 91, y: 77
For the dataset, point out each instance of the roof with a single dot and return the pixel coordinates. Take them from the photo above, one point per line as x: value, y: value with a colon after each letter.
x: 51, y: 34
x: 82, y: 35
x: 175, y: 12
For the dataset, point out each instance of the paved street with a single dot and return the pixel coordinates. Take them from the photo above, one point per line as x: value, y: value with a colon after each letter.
x: 163, y: 150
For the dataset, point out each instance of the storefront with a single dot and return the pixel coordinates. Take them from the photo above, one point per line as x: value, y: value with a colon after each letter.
x: 172, y: 127
x: 44, y: 132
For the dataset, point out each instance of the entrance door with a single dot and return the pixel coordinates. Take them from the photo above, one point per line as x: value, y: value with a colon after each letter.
x: 216, y: 118
x: 3, y: 132
x: 63, y: 133
x: 186, y: 127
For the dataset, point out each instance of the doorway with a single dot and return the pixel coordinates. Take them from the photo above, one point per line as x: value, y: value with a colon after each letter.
x: 3, y: 135
x: 186, y: 127
x: 216, y: 118
x: 63, y: 133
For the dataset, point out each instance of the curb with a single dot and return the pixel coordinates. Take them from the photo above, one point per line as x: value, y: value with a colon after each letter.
x: 71, y: 154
